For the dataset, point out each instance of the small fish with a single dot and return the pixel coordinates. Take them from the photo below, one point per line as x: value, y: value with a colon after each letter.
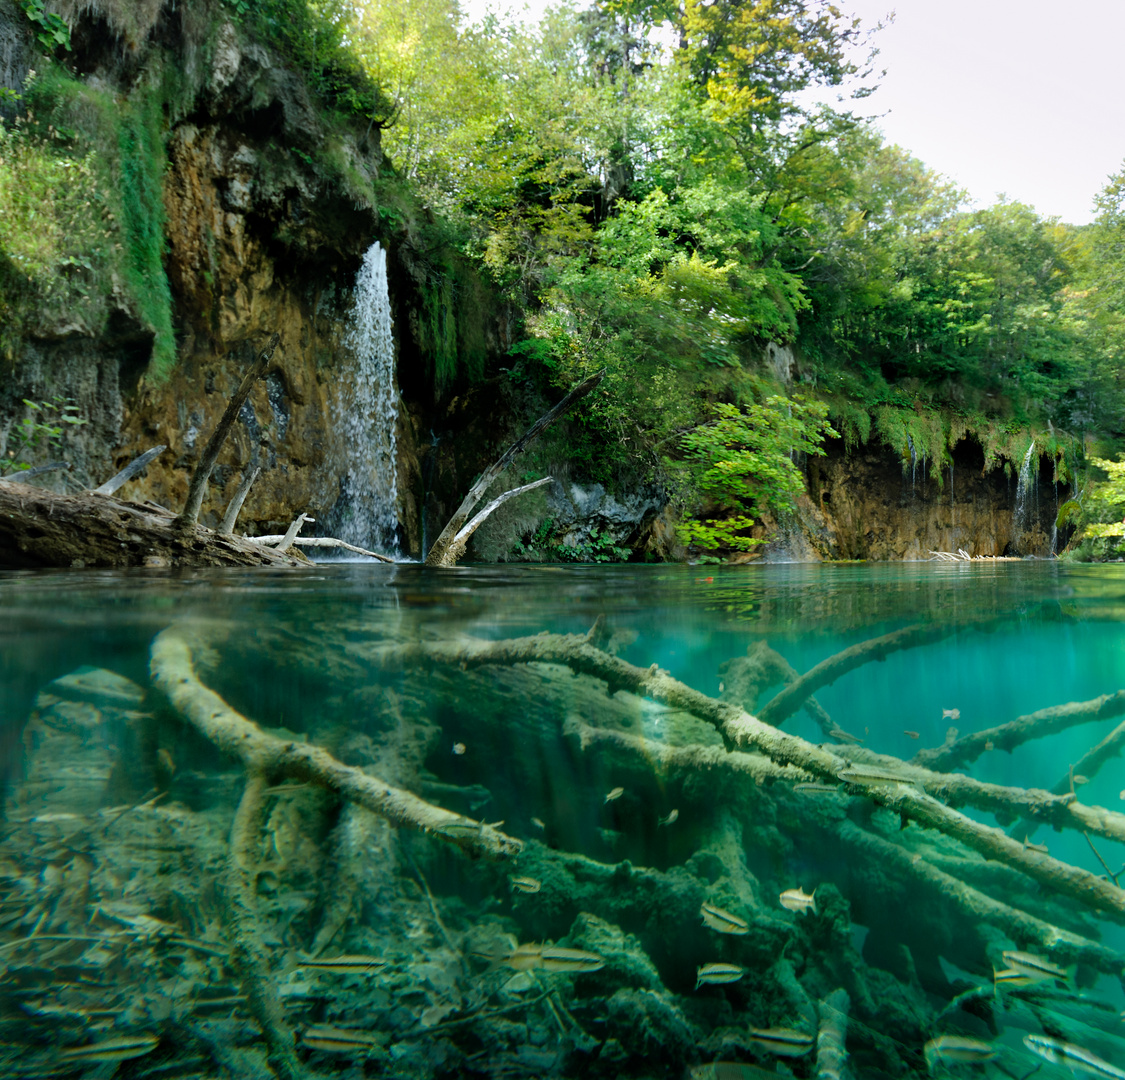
x: 527, y: 957
x: 1078, y: 780
x: 556, y: 959
x: 672, y: 816
x: 335, y: 1040
x: 717, y: 973
x: 121, y: 1049
x: 458, y: 748
x: 723, y: 921
x: 1029, y: 846
x: 1074, y: 1057
x: 785, y: 1042
x: 1038, y: 967
x: 796, y: 900
x: 950, y: 714
x: 616, y: 793
x: 840, y: 735
x: 956, y: 1048
x: 816, y: 789
x: 989, y: 745
x: 729, y: 1070
x: 526, y: 884
x: 164, y: 758
x: 538, y: 823
x: 912, y: 734
x: 345, y: 965
x: 1010, y: 977
x: 53, y: 817
x: 868, y: 774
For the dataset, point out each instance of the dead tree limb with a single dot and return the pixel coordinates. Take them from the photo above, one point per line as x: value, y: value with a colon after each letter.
x: 1063, y: 946
x: 439, y: 553
x: 202, y: 474
x: 740, y: 729
x: 130, y: 470
x: 38, y: 470
x: 234, y: 508
x: 457, y: 545
x: 1036, y: 725
x: 248, y: 952
x: 173, y: 673
x: 321, y: 542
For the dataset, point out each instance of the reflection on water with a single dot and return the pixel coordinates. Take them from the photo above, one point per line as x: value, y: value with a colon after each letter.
x: 477, y: 830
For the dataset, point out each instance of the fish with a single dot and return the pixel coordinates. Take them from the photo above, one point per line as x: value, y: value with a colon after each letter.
x: 951, y: 714
x: 723, y: 921
x: 530, y: 957
x: 912, y: 734
x: 336, y: 1040
x: 538, y: 823
x: 616, y: 793
x: 1078, y: 780
x: 672, y: 816
x: 1038, y: 967
x: 1010, y: 977
x: 718, y: 973
x: 729, y: 1070
x: 958, y: 1049
x: 120, y: 1049
x: 796, y: 900
x: 344, y: 965
x: 167, y: 763
x: 1029, y: 846
x: 989, y: 745
x: 840, y: 735
x: 816, y: 789
x: 868, y: 774
x: 459, y: 748
x: 1074, y: 1057
x: 527, y: 884
x: 785, y: 1042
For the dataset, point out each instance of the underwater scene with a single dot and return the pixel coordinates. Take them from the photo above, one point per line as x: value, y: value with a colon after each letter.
x: 634, y: 821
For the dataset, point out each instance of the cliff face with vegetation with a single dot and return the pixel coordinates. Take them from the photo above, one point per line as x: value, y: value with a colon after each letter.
x: 186, y: 179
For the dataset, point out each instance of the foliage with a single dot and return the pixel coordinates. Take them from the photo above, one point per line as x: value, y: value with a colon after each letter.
x: 41, y: 429
x: 51, y: 31
x: 741, y: 464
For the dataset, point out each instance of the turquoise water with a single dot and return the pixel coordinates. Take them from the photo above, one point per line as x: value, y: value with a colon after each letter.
x: 133, y: 943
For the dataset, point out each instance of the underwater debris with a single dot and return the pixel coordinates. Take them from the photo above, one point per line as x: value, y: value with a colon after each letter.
x: 723, y: 921
x: 729, y: 1070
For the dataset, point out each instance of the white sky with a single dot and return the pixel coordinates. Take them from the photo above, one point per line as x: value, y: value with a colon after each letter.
x: 1022, y: 97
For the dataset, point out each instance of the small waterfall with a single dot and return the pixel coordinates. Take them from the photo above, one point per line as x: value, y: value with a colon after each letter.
x: 913, y: 464
x: 366, y: 514
x: 1021, y: 516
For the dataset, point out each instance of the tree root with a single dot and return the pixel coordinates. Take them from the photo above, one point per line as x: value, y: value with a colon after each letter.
x: 247, y: 952
x: 174, y: 674
x: 1036, y: 725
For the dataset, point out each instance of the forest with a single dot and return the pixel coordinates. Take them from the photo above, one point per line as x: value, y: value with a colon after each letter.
x: 648, y: 188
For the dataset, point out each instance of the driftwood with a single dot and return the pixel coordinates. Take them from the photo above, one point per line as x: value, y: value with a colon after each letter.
x: 38, y: 470
x: 234, y: 508
x: 444, y: 551
x: 202, y: 474
x: 135, y: 466
x: 1036, y: 725
x: 321, y: 542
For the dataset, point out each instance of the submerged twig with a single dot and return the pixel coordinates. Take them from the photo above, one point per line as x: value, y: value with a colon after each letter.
x: 1109, y: 873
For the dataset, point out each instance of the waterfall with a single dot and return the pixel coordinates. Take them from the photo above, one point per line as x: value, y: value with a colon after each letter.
x: 367, y: 511
x: 1022, y: 513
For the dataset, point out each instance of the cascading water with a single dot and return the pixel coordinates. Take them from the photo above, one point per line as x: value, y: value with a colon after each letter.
x: 1022, y: 513
x: 366, y: 514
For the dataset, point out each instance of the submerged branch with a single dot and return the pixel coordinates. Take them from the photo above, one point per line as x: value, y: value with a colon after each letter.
x: 1036, y: 725
x: 173, y: 673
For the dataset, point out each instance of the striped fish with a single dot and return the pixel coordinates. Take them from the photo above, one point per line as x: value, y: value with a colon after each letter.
x: 723, y: 921
x: 526, y: 884
x: 1011, y: 977
x: 809, y: 788
x: 717, y: 973
x: 120, y: 1049
x: 869, y: 774
x: 1075, y: 1058
x: 335, y: 1040
x: 556, y: 959
x: 345, y: 965
x: 785, y: 1042
x: 956, y: 1049
x: 1037, y: 967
